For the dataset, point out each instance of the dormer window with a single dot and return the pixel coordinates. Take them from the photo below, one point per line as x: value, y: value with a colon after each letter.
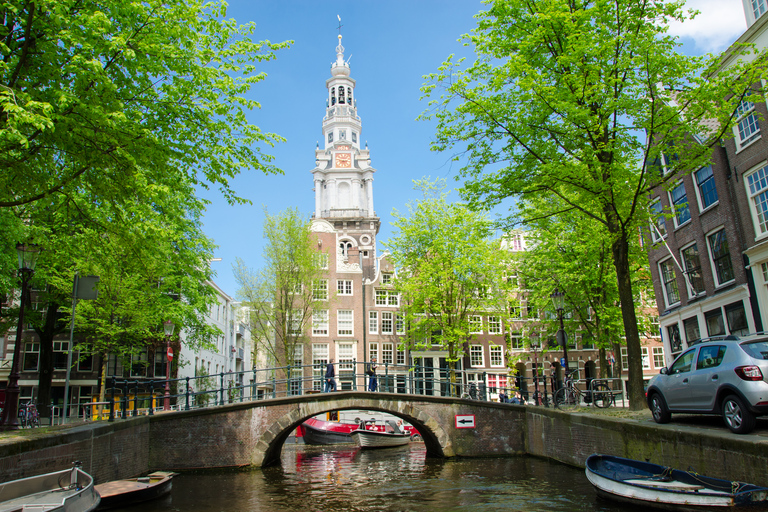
x: 758, y: 8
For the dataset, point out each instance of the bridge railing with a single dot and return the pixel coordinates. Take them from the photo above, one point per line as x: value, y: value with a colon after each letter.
x: 126, y: 398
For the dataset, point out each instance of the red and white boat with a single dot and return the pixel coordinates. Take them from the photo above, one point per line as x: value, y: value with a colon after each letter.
x: 391, y: 435
x: 316, y: 431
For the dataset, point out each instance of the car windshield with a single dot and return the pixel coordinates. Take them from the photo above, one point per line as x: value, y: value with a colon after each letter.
x: 756, y: 349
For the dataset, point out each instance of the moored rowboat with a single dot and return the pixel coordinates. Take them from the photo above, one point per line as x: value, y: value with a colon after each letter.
x: 652, y: 485
x: 120, y: 493
x: 70, y: 490
x: 377, y: 439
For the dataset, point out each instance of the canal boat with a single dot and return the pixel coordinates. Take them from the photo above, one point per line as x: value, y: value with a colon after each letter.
x: 318, y: 432
x: 120, y: 493
x: 69, y: 490
x: 652, y: 485
x: 391, y: 436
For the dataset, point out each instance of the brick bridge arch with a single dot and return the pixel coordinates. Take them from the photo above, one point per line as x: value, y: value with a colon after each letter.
x: 253, y: 433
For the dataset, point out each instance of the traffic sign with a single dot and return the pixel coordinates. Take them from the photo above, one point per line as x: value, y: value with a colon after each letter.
x: 465, y: 421
x: 170, y: 354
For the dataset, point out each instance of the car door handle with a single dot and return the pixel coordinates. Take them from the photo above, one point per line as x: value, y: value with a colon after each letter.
x: 714, y: 377
x: 685, y: 381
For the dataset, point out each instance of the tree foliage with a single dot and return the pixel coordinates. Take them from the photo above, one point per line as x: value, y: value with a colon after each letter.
x: 107, y: 96
x: 280, y: 295
x: 568, y: 99
x: 448, y: 268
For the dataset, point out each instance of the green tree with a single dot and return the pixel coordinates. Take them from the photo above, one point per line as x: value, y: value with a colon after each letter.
x: 568, y: 98
x: 281, y: 295
x: 449, y: 268
x: 109, y: 95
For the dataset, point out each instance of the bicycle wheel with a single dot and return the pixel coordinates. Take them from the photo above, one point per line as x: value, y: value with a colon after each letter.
x: 602, y: 396
x: 566, y: 399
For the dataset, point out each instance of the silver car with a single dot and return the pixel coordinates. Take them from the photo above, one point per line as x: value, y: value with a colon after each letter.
x: 725, y: 376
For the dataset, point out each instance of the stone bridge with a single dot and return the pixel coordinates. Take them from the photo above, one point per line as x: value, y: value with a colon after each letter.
x: 254, y: 432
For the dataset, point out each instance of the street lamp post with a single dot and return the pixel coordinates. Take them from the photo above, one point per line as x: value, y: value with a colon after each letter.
x: 535, y: 347
x: 168, y: 328
x: 558, y: 298
x: 27, y: 258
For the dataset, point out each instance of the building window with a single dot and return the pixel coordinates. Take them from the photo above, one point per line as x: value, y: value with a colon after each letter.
x: 692, y: 266
x: 373, y: 322
x: 84, y: 362
x: 675, y: 343
x: 373, y: 351
x: 757, y: 184
x: 494, y: 325
x: 346, y: 354
x: 400, y: 356
x: 624, y: 359
x: 386, y: 322
x: 294, y: 322
x: 516, y: 341
x: 692, y: 332
x: 320, y: 289
x: 387, y: 352
x: 659, y: 226
x: 679, y: 201
x: 497, y: 356
x: 515, y: 311
x: 60, y: 355
x: 645, y: 358
x: 758, y: 8
x: 321, y: 260
x: 32, y: 357
x: 747, y: 127
x: 386, y: 278
x: 344, y: 322
x: 705, y: 181
x: 669, y: 282
x: 721, y: 257
x: 344, y: 286
x: 737, y: 318
x: 399, y: 324
x: 715, y: 325
x: 319, y: 363
x: 658, y: 357
x: 476, y: 324
x: 387, y: 298
x: 476, y: 355
x: 320, y: 322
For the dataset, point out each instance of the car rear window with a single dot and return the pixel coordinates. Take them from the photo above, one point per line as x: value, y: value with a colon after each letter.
x: 757, y: 349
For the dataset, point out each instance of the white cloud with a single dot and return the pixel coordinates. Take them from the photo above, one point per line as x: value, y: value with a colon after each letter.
x: 719, y: 23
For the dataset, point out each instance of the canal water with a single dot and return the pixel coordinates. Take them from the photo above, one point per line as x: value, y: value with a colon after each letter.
x: 346, y: 478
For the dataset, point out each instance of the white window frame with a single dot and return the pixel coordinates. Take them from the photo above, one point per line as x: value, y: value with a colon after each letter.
x: 712, y: 263
x: 320, y: 356
x: 660, y: 221
x: 320, y: 289
x: 344, y: 287
x: 668, y: 300
x: 321, y: 260
x: 386, y: 298
x: 476, y: 356
x: 624, y: 359
x: 516, y: 342
x: 373, y: 351
x: 345, y: 322
x: 387, y: 353
x: 756, y: 184
x: 747, y: 127
x: 386, y: 278
x: 677, y: 207
x: 320, y: 322
x: 295, y: 327
x: 387, y: 322
x: 758, y: 8
x: 496, y: 353
x: 476, y: 324
x: 373, y: 322
x: 658, y: 357
x: 495, y: 325
x: 700, y: 194
x: 645, y: 359
x: 399, y: 324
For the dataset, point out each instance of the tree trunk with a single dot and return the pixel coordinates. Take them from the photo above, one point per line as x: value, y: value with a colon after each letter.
x: 620, y: 249
x: 45, y: 370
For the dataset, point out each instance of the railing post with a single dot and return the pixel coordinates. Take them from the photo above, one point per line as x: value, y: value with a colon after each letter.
x: 124, y: 401
x: 136, y: 399
x: 221, y: 388
x: 386, y: 375
x: 151, y: 397
x: 485, y: 393
x: 546, y: 400
x: 354, y: 375
x: 274, y: 386
x: 112, y: 402
x: 253, y: 386
x: 186, y: 405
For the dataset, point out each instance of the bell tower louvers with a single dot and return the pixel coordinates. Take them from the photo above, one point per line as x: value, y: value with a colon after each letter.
x: 343, y: 174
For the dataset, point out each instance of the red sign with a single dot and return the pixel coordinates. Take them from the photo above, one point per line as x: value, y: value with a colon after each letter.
x: 170, y: 354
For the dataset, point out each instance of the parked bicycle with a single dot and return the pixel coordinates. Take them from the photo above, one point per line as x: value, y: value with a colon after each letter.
x: 28, y: 415
x: 570, y: 396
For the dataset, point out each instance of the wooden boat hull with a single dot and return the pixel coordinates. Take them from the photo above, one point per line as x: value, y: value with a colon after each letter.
x: 376, y: 439
x: 70, y: 490
x: 120, y: 493
x: 656, y: 486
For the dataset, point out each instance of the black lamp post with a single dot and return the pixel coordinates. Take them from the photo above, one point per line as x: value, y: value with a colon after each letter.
x: 27, y: 258
x: 558, y: 298
x: 535, y: 348
x: 168, y: 328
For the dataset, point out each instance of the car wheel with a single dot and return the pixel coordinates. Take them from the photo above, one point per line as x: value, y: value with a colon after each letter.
x: 659, y: 409
x: 737, y: 417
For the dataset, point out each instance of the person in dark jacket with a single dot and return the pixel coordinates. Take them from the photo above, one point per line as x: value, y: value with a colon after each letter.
x: 371, y: 372
x: 330, y: 381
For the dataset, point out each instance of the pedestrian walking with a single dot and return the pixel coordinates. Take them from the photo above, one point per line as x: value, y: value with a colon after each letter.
x: 371, y: 372
x: 330, y: 381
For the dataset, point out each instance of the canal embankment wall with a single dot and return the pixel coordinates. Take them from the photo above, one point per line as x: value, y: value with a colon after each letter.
x: 130, y: 447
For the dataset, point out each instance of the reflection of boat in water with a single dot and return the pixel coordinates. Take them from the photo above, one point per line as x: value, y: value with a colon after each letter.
x: 70, y: 490
x: 391, y: 436
x: 643, y: 483
x: 120, y: 493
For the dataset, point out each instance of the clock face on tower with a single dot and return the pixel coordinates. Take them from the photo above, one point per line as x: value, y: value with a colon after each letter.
x: 343, y: 160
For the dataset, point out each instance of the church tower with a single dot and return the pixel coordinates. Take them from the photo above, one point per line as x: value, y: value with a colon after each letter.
x: 343, y: 175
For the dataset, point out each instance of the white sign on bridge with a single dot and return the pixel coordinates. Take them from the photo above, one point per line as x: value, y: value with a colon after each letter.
x: 465, y: 421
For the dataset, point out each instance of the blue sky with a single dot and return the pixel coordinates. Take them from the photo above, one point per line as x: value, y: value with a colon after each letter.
x: 391, y: 44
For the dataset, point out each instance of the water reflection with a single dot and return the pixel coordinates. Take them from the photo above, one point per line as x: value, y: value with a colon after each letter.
x: 342, y: 478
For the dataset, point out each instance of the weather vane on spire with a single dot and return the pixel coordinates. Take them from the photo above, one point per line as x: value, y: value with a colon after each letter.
x: 340, y: 25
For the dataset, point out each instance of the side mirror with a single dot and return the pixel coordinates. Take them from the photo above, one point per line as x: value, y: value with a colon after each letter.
x: 664, y: 371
